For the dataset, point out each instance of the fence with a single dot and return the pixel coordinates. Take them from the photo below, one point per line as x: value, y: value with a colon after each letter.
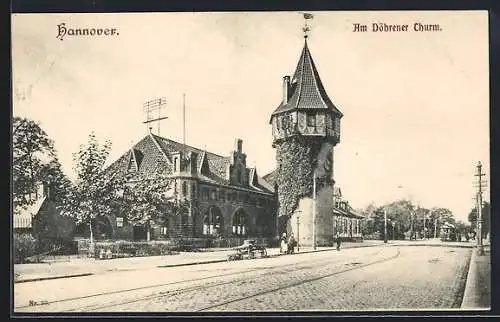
x: 123, y: 248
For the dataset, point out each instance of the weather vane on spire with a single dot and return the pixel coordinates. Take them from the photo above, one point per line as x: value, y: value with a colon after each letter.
x: 306, y: 28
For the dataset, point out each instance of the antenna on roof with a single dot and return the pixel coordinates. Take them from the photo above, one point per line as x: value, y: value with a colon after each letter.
x: 184, y: 120
x: 152, y: 106
x: 306, y: 28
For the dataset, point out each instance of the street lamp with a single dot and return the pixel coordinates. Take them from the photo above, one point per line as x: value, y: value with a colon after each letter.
x: 385, y: 225
x: 298, y: 232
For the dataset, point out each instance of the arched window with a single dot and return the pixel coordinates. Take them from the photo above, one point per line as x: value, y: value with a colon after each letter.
x: 213, y: 222
x: 240, y: 223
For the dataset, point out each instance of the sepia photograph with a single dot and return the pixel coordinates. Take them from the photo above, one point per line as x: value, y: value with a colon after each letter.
x: 276, y: 161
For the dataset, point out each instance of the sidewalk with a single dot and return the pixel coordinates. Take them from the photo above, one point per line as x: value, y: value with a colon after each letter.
x: 87, y: 266
x: 477, y: 293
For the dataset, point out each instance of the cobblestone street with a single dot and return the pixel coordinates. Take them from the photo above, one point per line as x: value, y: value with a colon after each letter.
x: 383, y: 277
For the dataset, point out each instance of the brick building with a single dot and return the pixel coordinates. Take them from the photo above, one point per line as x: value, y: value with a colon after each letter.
x: 225, y: 198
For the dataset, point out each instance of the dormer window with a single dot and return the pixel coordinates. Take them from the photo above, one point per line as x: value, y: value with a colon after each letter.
x: 176, y: 162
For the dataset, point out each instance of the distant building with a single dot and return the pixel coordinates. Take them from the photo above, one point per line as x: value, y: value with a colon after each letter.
x: 346, y: 221
x: 41, y: 218
x: 225, y: 198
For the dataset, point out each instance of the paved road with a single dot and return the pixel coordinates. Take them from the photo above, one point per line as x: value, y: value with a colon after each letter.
x: 385, y: 277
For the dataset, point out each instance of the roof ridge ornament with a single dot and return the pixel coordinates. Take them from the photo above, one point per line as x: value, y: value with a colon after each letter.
x: 306, y: 28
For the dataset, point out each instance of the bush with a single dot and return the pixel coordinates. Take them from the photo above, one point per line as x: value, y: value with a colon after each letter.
x: 57, y: 246
x: 374, y: 236
x: 25, y: 246
x: 133, y: 249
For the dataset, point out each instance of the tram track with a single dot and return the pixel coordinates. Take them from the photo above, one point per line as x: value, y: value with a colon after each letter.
x: 284, y: 269
x: 288, y: 268
x: 246, y: 297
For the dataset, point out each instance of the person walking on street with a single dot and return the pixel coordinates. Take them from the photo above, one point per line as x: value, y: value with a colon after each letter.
x: 291, y: 244
x: 337, y: 240
x: 283, y: 248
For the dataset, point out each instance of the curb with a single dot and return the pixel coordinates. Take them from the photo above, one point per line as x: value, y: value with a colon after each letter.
x: 36, y: 279
x: 470, y: 297
x: 434, y: 245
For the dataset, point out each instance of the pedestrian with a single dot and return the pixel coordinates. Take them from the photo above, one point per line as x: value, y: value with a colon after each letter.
x: 291, y: 244
x: 337, y: 240
x: 283, y: 248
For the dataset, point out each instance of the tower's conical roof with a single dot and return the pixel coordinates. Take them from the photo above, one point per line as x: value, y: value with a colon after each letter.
x: 306, y: 89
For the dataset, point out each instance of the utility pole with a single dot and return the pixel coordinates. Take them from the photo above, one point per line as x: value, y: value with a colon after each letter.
x: 411, y: 224
x: 385, y: 225
x: 314, y: 210
x: 298, y: 232
x: 435, y: 227
x: 425, y: 233
x: 479, y: 235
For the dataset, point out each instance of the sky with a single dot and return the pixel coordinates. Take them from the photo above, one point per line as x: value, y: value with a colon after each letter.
x: 415, y: 104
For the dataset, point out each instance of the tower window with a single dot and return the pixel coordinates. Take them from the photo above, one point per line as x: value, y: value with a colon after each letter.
x: 311, y: 119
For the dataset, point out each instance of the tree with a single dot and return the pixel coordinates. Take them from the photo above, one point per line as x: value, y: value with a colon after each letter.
x: 58, y: 183
x: 401, y: 213
x: 32, y: 151
x: 438, y: 217
x: 486, y: 218
x: 406, y: 218
x: 147, y: 200
x: 96, y: 191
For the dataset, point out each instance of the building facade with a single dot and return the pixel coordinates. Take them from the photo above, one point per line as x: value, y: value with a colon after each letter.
x: 223, y: 198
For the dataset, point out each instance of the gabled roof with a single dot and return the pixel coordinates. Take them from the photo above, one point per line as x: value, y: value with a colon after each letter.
x: 154, y: 155
x: 271, y: 177
x: 258, y: 182
x: 306, y: 89
x: 23, y: 215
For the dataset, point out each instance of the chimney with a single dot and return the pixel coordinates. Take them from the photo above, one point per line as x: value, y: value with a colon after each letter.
x: 193, y: 158
x: 286, y: 87
x: 238, y: 145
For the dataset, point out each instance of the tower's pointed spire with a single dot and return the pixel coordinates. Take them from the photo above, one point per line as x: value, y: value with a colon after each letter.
x: 305, y: 90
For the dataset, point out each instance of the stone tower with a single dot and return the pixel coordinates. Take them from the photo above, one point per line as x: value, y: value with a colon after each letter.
x: 306, y: 128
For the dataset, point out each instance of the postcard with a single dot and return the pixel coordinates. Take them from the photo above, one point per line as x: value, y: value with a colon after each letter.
x: 250, y: 162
